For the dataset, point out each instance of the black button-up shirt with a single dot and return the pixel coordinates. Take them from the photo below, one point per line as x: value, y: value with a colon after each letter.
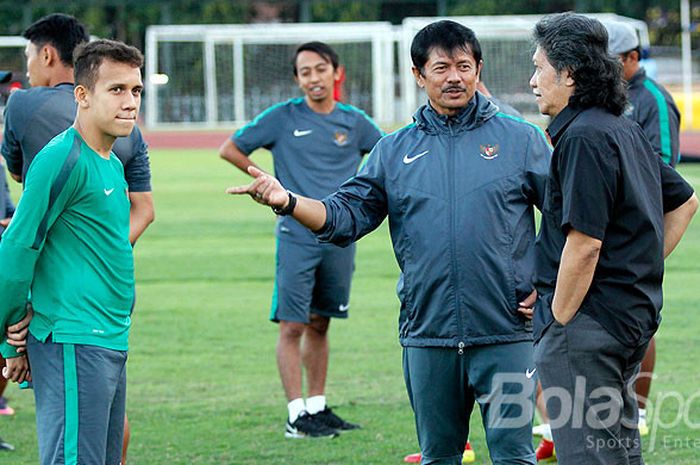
x: 606, y: 181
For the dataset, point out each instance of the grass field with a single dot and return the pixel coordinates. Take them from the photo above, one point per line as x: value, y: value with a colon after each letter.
x: 203, y: 385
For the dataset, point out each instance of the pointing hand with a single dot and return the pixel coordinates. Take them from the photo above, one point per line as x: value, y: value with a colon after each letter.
x: 265, y: 189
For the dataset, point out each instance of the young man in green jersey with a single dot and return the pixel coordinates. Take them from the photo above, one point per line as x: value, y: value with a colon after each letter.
x: 69, y: 245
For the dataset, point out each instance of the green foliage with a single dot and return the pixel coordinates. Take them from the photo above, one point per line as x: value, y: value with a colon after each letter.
x: 224, y: 12
x: 203, y: 385
x: 127, y: 20
x: 343, y: 10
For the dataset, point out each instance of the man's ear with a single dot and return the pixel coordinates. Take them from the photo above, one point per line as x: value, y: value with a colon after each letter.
x: 637, y: 56
x: 80, y: 93
x: 420, y: 80
x: 49, y: 55
x: 568, y: 78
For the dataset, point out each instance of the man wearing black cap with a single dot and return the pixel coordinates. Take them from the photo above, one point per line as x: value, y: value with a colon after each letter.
x: 653, y: 108
x: 650, y: 105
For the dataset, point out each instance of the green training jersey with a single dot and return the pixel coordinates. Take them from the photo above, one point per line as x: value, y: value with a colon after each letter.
x: 68, y: 243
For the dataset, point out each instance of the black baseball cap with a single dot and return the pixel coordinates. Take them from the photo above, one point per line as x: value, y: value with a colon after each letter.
x: 5, y: 76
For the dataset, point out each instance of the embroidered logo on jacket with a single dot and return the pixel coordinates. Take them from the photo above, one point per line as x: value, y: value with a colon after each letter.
x: 340, y: 138
x: 488, y: 152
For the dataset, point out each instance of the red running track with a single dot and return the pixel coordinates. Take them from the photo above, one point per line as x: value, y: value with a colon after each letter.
x: 186, y: 139
x: 690, y: 145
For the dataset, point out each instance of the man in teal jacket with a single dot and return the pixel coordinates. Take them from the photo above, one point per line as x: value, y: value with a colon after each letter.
x: 459, y: 186
x: 68, y: 244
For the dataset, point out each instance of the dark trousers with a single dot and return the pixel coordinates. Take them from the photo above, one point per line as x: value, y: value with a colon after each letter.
x: 443, y: 386
x: 588, y: 382
x: 80, y: 394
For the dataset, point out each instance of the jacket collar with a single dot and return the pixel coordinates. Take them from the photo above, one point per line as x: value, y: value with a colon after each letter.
x: 477, y: 112
x: 638, y: 78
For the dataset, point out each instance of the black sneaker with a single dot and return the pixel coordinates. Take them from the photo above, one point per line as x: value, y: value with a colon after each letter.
x: 330, y: 419
x: 309, y: 426
x: 6, y: 446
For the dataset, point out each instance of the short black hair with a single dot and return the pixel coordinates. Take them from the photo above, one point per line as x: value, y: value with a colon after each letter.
x: 321, y: 48
x: 445, y: 35
x: 579, y: 44
x: 64, y: 32
x: 89, y: 57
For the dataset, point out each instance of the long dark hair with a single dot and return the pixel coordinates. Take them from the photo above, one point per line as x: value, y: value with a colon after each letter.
x: 579, y: 44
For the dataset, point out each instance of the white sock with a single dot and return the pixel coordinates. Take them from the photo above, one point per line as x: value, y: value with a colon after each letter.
x: 295, y: 407
x: 315, y: 404
x: 642, y: 414
x: 547, y: 432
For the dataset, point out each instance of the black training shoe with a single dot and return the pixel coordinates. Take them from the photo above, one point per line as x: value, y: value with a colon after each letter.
x: 6, y: 446
x: 309, y: 426
x: 330, y: 419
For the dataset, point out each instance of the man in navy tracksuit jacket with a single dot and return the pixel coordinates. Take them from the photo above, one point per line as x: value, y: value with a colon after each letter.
x: 7, y: 208
x: 459, y: 186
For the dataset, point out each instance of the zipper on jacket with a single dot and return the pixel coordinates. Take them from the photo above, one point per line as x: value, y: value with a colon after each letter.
x: 453, y: 232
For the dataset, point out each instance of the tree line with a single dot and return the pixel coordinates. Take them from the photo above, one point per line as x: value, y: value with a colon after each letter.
x: 127, y: 20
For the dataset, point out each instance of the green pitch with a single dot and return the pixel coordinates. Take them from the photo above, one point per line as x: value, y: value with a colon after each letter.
x: 203, y: 385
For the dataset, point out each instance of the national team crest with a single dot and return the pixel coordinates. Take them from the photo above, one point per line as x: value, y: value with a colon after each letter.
x: 488, y: 152
x: 340, y: 138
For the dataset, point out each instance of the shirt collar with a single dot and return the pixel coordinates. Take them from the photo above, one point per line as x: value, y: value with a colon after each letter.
x: 638, y: 77
x: 561, y: 122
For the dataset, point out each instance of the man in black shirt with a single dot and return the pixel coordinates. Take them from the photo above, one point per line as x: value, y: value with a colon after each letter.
x: 613, y: 210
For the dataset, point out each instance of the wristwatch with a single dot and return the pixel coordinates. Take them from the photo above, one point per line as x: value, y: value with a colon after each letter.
x: 284, y: 211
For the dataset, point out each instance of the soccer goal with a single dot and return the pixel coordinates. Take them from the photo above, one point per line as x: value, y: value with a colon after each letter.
x: 223, y: 75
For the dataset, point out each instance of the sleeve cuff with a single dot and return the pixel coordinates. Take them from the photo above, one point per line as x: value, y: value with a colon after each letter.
x: 244, y: 150
x: 8, y: 351
x: 140, y: 188
x: 589, y: 230
x: 676, y: 202
x: 323, y: 234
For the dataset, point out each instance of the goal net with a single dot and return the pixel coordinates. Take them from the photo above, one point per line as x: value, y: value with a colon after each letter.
x: 225, y: 75
x: 507, y: 47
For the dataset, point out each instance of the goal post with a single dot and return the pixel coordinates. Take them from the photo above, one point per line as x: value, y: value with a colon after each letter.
x: 223, y: 75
